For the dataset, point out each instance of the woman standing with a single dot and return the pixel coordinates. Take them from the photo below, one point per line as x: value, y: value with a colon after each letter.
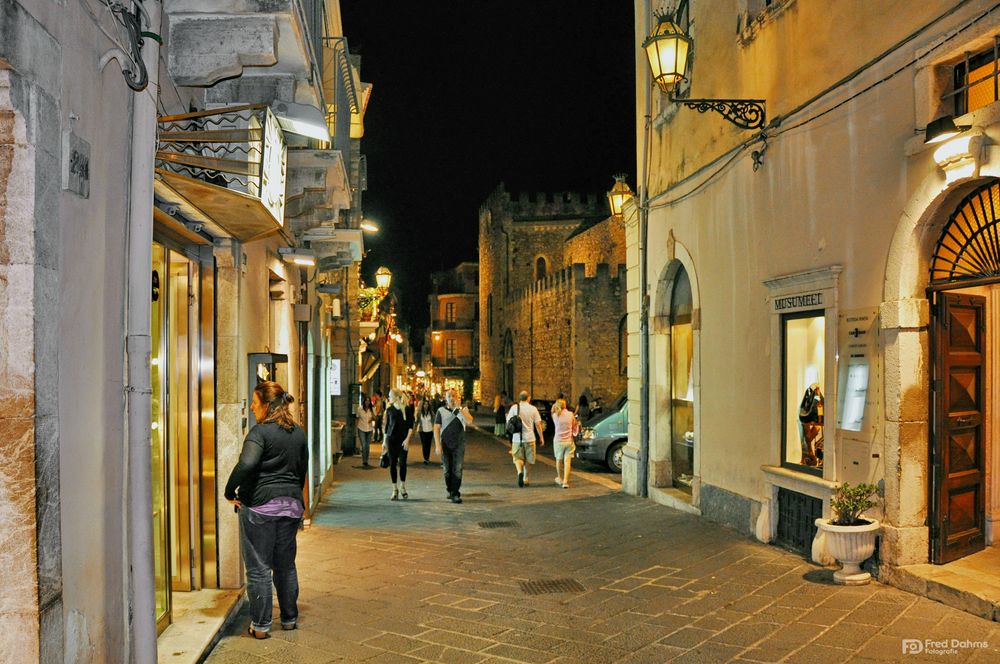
x: 499, y: 416
x: 365, y: 415
x: 562, y: 441
x: 425, y: 427
x: 396, y: 442
x: 266, y: 488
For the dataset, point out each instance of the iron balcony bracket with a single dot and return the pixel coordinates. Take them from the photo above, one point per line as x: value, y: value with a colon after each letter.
x: 744, y: 113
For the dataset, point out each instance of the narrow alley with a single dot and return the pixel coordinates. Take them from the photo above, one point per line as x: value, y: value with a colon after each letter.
x: 424, y: 580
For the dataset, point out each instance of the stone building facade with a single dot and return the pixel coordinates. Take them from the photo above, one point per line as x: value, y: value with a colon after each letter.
x: 552, y: 296
x: 150, y: 194
x: 840, y: 253
x: 451, y: 343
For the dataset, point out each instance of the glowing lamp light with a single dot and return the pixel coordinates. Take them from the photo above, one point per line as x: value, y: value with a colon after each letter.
x: 383, y: 277
x: 304, y: 257
x: 667, y: 50
x: 369, y: 227
x: 617, y: 197
x: 421, y: 374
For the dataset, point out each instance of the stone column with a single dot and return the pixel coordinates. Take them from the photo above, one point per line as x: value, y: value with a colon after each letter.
x: 907, y: 408
x: 229, y: 407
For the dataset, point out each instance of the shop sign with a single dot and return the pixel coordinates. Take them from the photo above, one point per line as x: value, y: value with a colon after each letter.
x: 334, y: 378
x: 76, y: 165
x: 857, y: 379
x: 800, y: 302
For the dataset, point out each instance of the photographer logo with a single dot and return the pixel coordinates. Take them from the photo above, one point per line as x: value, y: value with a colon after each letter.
x: 942, y: 647
x: 912, y: 646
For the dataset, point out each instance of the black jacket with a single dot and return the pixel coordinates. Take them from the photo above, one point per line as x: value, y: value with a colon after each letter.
x: 396, y: 427
x: 274, y: 462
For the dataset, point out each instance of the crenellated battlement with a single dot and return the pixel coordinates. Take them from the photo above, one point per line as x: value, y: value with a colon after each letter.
x: 545, y: 204
x: 571, y: 278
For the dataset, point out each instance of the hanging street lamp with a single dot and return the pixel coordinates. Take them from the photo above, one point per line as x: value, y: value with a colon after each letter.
x: 668, y: 50
x: 619, y: 194
x: 383, y: 277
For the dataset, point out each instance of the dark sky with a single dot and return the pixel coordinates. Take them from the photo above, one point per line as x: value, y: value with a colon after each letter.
x: 538, y: 94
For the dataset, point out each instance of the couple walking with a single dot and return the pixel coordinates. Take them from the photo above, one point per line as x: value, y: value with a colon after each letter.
x: 523, y: 444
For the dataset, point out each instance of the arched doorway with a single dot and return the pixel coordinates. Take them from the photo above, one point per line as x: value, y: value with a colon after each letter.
x: 507, y: 365
x: 964, y: 293
x: 682, y: 439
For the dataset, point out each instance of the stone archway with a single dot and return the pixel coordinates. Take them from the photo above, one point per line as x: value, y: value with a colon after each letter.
x: 905, y: 319
x: 661, y: 470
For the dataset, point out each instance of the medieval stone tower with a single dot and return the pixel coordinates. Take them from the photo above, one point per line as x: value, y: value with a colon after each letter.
x: 552, y: 296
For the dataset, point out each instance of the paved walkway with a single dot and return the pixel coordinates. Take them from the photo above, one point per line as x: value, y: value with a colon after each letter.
x: 424, y: 581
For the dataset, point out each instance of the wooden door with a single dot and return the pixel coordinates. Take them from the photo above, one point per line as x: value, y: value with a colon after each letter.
x: 957, y: 455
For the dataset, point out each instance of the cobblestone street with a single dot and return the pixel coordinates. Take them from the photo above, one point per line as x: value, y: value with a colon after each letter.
x: 424, y: 580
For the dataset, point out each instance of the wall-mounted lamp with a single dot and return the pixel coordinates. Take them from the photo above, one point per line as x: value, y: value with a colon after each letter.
x: 304, y: 257
x: 617, y: 197
x: 668, y: 50
x: 369, y: 227
x: 302, y: 119
x: 383, y: 277
x: 942, y: 129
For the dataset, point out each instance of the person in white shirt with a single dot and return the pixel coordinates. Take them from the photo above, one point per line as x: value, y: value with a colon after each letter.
x: 523, y: 444
x: 562, y: 441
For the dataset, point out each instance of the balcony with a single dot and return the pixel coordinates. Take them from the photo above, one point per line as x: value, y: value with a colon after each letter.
x: 224, y: 168
x: 318, y: 188
x: 457, y: 324
x: 461, y: 362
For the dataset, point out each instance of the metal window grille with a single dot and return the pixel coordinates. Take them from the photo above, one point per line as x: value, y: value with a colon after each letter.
x: 797, y: 514
x: 976, y: 80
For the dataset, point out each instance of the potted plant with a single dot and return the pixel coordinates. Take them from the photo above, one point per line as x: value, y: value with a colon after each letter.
x: 850, y: 538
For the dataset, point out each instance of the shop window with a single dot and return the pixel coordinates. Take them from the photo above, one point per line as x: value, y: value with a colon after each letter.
x: 803, y: 343
x: 975, y: 80
x: 682, y: 382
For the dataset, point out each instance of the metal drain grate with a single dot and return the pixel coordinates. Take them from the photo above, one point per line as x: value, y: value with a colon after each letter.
x: 544, y: 586
x: 477, y: 495
x: 499, y: 524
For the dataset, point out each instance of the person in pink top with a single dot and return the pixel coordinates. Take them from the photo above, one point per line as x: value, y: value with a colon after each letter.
x: 566, y: 427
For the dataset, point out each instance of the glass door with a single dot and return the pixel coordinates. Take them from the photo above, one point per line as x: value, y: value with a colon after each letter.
x: 180, y: 432
x: 158, y: 365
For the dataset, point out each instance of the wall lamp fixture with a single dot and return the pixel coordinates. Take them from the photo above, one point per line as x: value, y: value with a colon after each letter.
x: 619, y: 194
x: 941, y: 129
x: 668, y: 50
x: 369, y: 226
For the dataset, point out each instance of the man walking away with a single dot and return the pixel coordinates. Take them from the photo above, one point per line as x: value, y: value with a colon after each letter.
x: 450, y: 422
x: 523, y: 444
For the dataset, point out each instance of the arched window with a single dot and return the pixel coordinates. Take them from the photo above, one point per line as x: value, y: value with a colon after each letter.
x: 969, y: 247
x: 623, y: 346
x: 507, y: 364
x: 541, y: 268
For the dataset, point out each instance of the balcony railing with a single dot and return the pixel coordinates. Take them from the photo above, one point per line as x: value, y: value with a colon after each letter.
x: 240, y: 149
x: 453, y: 362
x: 457, y: 324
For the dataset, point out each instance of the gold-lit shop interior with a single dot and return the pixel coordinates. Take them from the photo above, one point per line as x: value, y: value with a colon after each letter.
x: 682, y: 383
x: 183, y: 424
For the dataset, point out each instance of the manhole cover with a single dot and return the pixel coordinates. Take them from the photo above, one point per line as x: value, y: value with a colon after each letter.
x: 499, y: 524
x: 543, y: 586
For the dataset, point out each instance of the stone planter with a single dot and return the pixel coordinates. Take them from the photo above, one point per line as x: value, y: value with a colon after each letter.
x: 851, y: 545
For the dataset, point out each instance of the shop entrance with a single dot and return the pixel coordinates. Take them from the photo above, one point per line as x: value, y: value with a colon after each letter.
x: 183, y: 426
x: 965, y: 298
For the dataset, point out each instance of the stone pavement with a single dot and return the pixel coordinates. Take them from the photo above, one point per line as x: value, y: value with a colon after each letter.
x: 423, y: 581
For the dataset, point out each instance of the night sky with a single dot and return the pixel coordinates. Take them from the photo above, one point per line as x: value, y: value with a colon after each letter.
x: 538, y: 94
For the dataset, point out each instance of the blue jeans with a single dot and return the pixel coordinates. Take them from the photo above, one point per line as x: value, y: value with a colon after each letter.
x: 365, y: 442
x: 268, y: 544
x: 451, y: 462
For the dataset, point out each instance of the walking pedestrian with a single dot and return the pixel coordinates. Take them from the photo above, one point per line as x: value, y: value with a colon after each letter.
x: 499, y: 419
x: 425, y: 428
x: 565, y: 427
x: 450, y: 422
x: 266, y: 488
x: 378, y: 408
x: 364, y: 415
x: 396, y: 441
x: 523, y: 444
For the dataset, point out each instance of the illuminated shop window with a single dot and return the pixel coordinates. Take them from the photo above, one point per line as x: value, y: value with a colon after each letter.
x: 803, y: 344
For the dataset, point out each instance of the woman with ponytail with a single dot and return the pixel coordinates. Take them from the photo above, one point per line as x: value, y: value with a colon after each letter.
x: 266, y: 488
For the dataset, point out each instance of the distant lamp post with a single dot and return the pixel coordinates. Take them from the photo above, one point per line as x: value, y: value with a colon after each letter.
x: 619, y: 194
x: 369, y: 227
x: 668, y: 50
x: 383, y: 277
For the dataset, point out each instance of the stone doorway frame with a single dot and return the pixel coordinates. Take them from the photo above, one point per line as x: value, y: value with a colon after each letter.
x: 905, y: 319
x: 660, y: 450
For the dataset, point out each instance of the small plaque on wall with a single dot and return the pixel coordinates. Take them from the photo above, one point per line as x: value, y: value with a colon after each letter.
x: 76, y: 164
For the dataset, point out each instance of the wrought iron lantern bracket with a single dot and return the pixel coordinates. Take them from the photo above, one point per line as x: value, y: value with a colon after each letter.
x: 744, y: 113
